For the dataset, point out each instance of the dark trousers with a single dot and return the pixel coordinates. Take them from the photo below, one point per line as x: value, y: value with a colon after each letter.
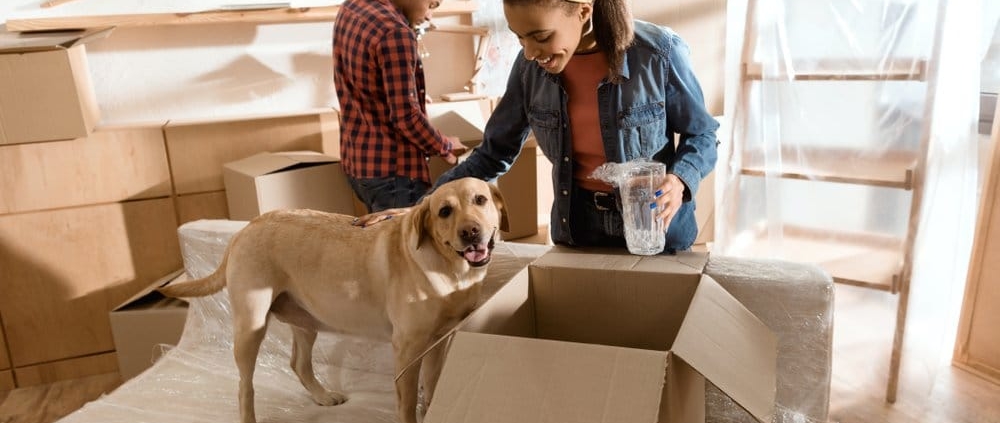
x: 378, y: 194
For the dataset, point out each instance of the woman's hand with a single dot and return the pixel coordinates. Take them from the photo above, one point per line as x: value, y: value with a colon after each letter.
x: 373, y: 218
x: 669, y: 197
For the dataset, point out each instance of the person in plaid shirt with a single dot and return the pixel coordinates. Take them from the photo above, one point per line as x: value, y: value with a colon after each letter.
x: 386, y: 137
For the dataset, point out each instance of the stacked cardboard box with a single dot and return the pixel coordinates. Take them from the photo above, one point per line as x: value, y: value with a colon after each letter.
x: 46, y: 93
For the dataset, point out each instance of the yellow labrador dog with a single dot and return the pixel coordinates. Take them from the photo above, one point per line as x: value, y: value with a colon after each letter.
x: 408, y: 280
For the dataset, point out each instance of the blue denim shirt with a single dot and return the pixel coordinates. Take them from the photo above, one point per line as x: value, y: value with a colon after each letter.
x: 658, y: 98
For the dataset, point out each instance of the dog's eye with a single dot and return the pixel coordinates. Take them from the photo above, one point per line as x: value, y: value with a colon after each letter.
x: 481, y: 200
x: 445, y: 211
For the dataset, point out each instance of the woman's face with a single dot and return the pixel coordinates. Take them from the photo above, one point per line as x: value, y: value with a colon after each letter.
x: 549, y: 34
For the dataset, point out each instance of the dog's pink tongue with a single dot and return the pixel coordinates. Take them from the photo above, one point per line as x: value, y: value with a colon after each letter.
x: 475, y: 254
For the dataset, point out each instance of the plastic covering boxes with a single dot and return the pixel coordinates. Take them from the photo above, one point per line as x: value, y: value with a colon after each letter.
x: 532, y: 292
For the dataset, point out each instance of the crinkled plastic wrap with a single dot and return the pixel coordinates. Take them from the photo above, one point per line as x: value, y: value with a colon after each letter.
x: 796, y: 302
x: 852, y: 145
x: 197, y: 380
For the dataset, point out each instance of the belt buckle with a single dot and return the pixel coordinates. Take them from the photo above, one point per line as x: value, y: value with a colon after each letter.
x: 597, y: 202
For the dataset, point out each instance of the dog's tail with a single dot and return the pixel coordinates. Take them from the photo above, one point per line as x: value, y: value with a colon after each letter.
x: 199, y: 287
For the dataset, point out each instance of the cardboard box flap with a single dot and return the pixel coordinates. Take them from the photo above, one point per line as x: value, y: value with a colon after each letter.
x: 684, y: 263
x: 500, y: 379
x: 728, y: 345
x: 457, y: 125
x: 175, y: 276
x: 19, y: 42
x: 266, y: 163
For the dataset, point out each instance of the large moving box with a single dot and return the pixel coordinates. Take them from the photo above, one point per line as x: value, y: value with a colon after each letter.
x: 587, y: 337
x: 45, y: 88
x: 286, y: 180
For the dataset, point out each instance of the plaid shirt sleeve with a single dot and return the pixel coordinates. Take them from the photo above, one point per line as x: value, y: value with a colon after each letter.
x: 398, y: 53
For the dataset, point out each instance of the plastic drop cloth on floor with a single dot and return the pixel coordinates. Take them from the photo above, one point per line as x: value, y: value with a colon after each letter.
x: 197, y: 380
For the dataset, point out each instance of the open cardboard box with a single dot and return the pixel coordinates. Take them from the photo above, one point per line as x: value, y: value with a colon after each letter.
x: 286, y: 180
x: 144, y: 322
x: 590, y: 337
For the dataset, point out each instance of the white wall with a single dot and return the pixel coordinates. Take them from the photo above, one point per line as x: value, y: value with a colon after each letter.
x: 151, y: 74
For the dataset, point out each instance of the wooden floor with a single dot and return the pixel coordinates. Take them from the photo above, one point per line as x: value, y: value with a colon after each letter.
x: 930, y: 392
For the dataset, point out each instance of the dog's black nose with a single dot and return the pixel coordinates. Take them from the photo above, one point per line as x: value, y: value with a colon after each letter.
x: 470, y: 233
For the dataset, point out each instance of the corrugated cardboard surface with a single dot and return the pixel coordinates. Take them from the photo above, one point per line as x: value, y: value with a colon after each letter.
x: 209, y: 205
x: 144, y: 322
x: 286, y: 180
x: 198, y: 150
x: 46, y: 95
x: 6, y: 380
x: 660, y: 304
x: 73, y: 368
x: 530, y: 380
x: 62, y: 271
x: 109, y: 165
x: 718, y: 338
x: 4, y: 359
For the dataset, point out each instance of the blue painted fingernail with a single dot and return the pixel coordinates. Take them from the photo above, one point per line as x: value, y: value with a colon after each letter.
x: 658, y: 193
x: 652, y: 206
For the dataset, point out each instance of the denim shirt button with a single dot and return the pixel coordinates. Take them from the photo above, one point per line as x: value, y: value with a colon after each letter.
x: 566, y: 159
x: 565, y: 192
x: 564, y: 220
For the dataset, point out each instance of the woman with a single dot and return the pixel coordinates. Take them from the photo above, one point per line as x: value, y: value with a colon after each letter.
x: 596, y: 86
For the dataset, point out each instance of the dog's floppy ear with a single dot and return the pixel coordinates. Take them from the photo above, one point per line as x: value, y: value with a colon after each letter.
x: 419, y: 221
x: 501, y: 207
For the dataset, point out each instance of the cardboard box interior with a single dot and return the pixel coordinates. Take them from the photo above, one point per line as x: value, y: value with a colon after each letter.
x: 625, y: 338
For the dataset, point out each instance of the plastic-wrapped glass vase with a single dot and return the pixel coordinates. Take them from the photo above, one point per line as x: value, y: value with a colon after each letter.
x: 637, y: 181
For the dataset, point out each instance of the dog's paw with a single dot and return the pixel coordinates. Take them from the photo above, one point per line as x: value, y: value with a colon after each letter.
x: 329, y: 398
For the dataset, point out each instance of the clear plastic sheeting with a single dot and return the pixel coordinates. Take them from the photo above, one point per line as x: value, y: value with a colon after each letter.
x: 853, y: 147
x: 796, y: 302
x: 197, y: 380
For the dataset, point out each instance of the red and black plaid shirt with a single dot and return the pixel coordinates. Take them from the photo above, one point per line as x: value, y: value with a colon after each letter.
x: 380, y: 84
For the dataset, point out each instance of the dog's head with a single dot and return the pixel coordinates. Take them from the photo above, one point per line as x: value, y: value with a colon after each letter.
x: 463, y: 217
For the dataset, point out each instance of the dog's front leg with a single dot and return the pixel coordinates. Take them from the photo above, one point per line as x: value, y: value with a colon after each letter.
x: 431, y: 370
x: 408, y: 348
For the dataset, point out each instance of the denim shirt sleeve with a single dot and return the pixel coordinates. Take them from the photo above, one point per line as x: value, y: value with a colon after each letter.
x: 697, y: 150
x: 505, y: 133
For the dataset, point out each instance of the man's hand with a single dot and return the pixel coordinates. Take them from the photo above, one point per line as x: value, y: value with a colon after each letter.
x: 457, y: 149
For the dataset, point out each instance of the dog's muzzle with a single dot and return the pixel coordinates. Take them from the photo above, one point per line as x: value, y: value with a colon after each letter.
x: 479, y: 254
